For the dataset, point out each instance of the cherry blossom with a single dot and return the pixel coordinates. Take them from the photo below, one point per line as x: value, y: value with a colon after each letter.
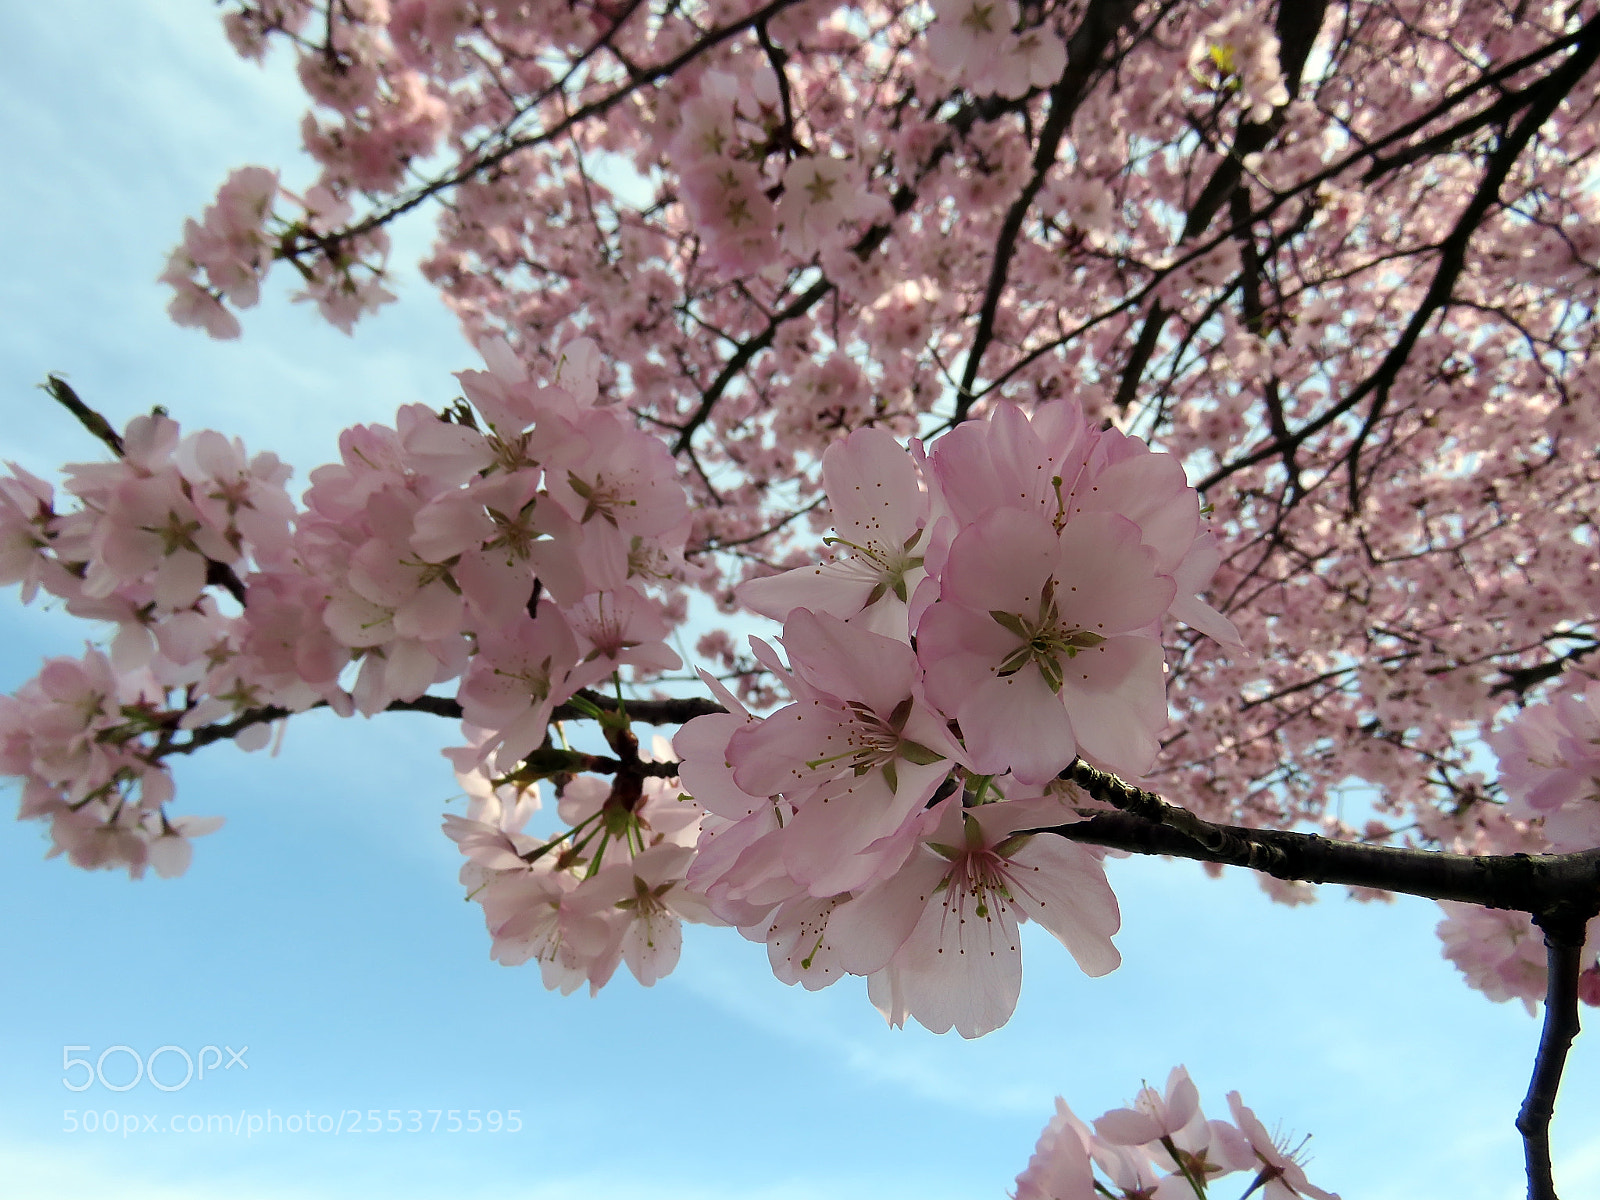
x: 942, y: 933
x: 1037, y: 645
x: 819, y: 195
x: 880, y: 512
x: 1137, y: 1164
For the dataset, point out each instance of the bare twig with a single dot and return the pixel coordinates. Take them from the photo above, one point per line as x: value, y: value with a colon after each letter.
x: 650, y: 712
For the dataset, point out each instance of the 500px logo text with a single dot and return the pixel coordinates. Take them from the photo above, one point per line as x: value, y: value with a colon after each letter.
x: 120, y: 1068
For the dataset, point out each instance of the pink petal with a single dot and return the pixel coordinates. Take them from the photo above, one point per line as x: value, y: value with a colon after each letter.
x: 1017, y: 723
x: 1063, y: 887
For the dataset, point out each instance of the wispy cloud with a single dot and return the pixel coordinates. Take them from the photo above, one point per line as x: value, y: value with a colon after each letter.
x: 840, y: 1024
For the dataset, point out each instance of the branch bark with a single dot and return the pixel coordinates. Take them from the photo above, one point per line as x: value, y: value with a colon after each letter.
x: 1563, y: 938
x: 1102, y: 21
x: 1147, y: 824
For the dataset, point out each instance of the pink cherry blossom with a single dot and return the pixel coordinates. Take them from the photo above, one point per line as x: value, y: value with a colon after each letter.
x: 820, y: 195
x: 879, y: 514
x: 1281, y: 1175
x: 1059, y: 1168
x: 518, y: 677
x: 858, y: 754
x: 1038, y: 644
x: 944, y: 929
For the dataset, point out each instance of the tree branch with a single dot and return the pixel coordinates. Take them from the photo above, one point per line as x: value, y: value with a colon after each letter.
x: 1298, y: 22
x: 673, y: 711
x: 1101, y: 23
x: 1521, y: 679
x: 1543, y: 99
x: 1148, y: 824
x: 1563, y: 939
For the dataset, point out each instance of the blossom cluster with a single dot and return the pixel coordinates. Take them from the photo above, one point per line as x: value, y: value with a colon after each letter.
x: 78, y: 737
x: 734, y: 152
x: 224, y: 257
x: 1245, y: 57
x: 1550, y: 767
x: 978, y: 44
x: 1194, y: 219
x: 610, y: 890
x: 1550, y: 774
x: 1162, y: 1148
x: 1502, y: 954
x: 517, y: 543
x: 994, y: 612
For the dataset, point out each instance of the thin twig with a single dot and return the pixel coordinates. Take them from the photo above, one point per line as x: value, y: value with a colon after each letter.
x: 649, y: 712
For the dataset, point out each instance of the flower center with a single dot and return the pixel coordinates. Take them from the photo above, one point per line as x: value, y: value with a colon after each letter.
x: 1047, y: 640
x: 889, y: 564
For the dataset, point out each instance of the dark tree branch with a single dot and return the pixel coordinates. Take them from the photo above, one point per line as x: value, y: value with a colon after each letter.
x: 1148, y: 824
x: 1563, y: 938
x: 741, y: 359
x: 674, y: 711
x: 778, y: 58
x: 1306, y: 186
x: 1521, y: 679
x: 1543, y: 99
x: 649, y: 712
x: 1498, y: 112
x: 1297, y: 25
x: 1102, y: 22
x: 1139, y: 357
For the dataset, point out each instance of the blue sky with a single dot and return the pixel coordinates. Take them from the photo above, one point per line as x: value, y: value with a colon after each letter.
x: 323, y: 927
